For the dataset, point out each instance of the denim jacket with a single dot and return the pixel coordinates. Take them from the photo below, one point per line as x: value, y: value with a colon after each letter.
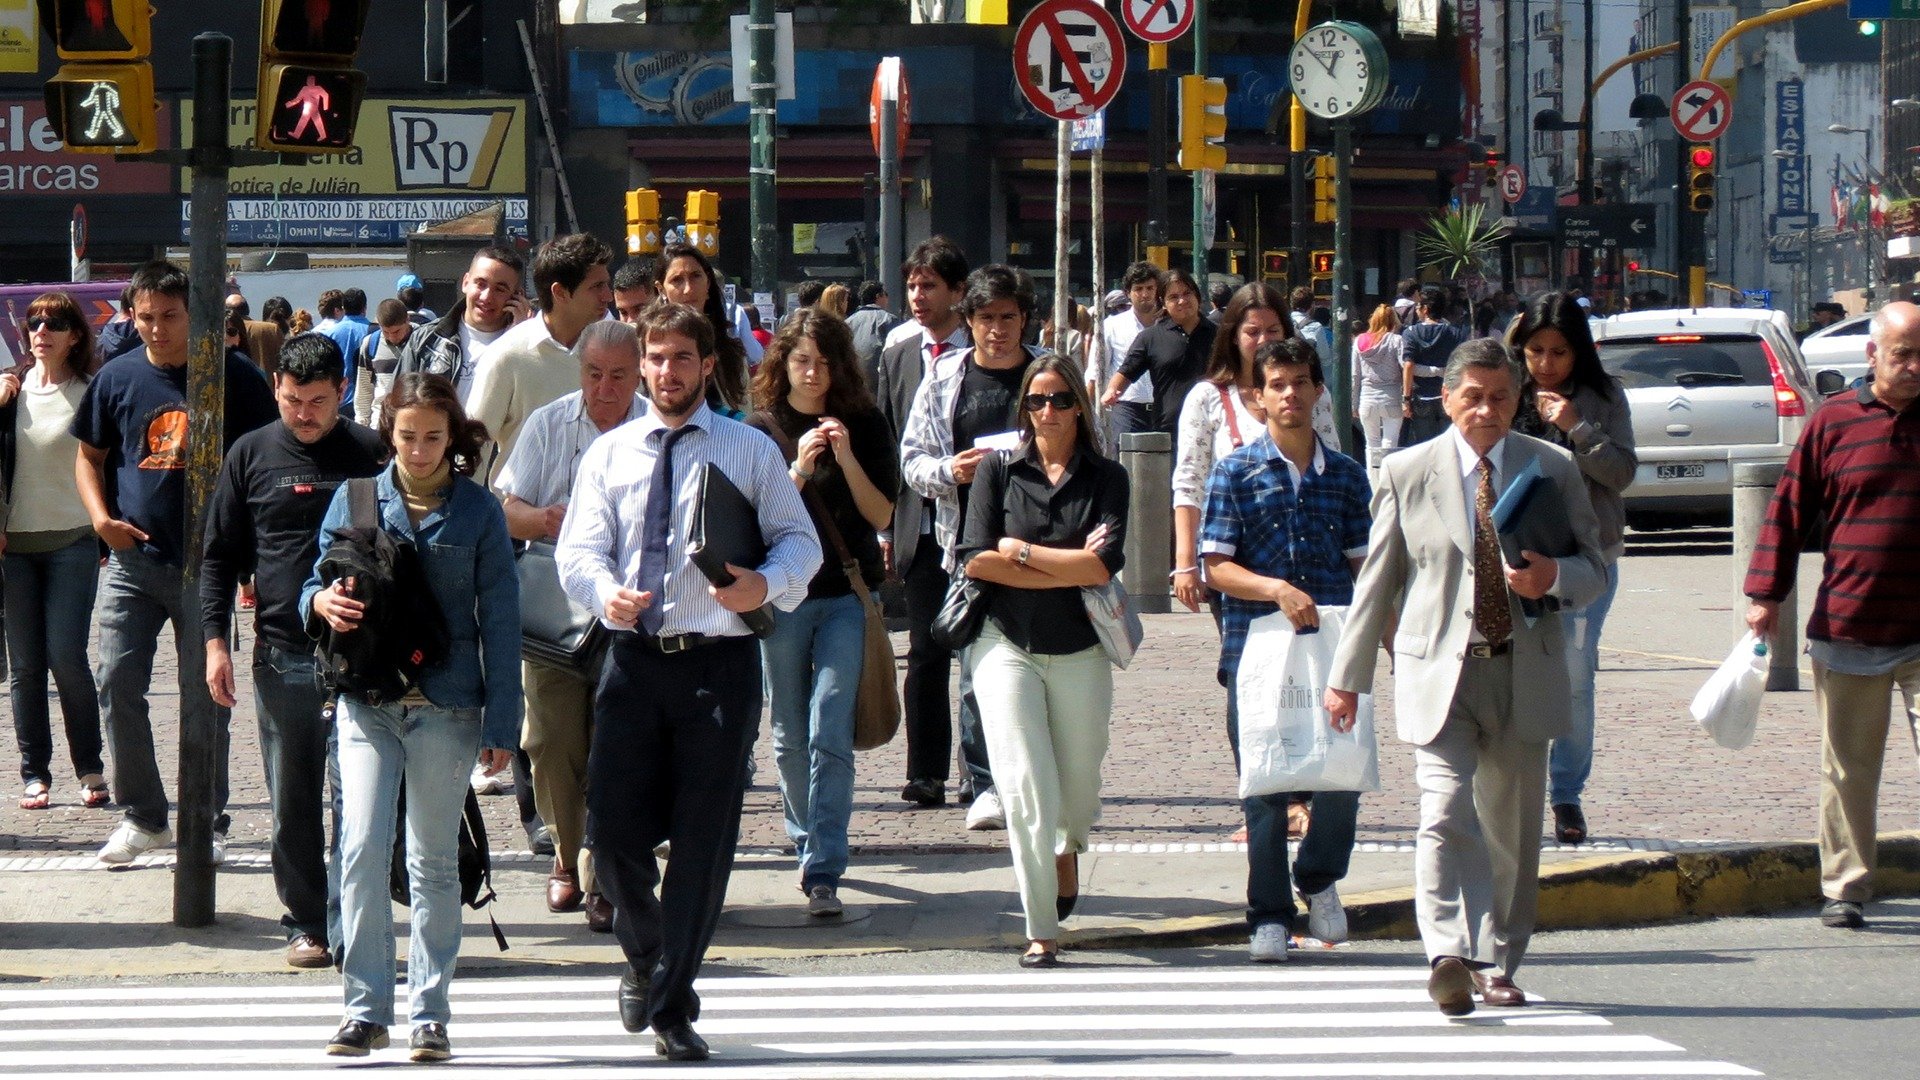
x: 469, y: 564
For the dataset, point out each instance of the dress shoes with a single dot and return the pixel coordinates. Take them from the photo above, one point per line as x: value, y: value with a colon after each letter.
x: 1498, y: 990
x: 1450, y: 985
x: 633, y: 1002
x: 679, y: 1042
x: 599, y: 911
x: 563, y: 891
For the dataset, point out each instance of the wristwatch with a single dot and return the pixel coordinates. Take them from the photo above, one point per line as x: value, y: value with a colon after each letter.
x: 1026, y: 552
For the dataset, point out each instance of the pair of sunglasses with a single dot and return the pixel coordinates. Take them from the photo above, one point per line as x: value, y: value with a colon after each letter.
x: 1061, y: 400
x: 51, y: 322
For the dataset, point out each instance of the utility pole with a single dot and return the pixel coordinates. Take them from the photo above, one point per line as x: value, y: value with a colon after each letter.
x: 762, y: 201
x: 893, y: 81
x: 1342, y: 333
x: 1689, y: 228
x: 1200, y: 238
x: 1157, y: 124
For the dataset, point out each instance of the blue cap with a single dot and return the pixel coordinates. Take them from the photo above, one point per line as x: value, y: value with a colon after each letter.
x: 408, y: 281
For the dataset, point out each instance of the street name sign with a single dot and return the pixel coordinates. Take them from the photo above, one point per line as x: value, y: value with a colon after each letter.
x: 1628, y: 226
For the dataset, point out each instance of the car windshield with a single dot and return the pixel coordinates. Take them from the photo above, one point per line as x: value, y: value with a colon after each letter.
x: 1686, y: 360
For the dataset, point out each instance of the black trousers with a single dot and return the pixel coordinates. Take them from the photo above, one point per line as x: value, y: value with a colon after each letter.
x: 927, y: 705
x: 671, y: 736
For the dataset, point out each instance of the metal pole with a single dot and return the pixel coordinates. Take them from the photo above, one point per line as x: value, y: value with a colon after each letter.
x: 1753, y: 484
x: 1342, y: 332
x: 1062, y: 225
x: 763, y: 87
x: 1148, y: 458
x: 891, y: 255
x: 1297, y: 165
x: 193, y: 876
x: 1095, y: 348
x: 1157, y: 122
x: 1584, y: 171
x: 1199, y: 190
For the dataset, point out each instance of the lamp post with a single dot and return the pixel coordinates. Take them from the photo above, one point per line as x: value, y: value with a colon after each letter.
x: 1806, y: 231
x: 1552, y: 120
x: 1875, y: 245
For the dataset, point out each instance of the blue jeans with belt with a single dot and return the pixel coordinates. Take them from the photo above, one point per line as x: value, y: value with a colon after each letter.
x: 1570, y: 760
x: 1324, y: 852
x: 49, y: 614
x: 813, y: 660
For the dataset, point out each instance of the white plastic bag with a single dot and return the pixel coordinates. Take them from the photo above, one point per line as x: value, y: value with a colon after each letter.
x: 1728, y: 706
x: 1286, y: 743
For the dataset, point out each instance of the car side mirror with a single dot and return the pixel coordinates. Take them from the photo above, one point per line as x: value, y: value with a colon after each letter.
x: 1829, y: 382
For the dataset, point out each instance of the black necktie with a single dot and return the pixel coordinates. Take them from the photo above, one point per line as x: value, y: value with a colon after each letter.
x: 653, y: 530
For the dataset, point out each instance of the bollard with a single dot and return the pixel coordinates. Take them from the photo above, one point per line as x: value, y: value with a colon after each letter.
x: 1148, y: 458
x: 1753, y: 484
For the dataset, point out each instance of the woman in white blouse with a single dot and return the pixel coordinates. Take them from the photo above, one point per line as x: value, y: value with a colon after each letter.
x: 1221, y: 414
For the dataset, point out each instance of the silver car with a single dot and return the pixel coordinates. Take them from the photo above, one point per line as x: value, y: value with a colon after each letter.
x: 1841, y: 347
x: 1709, y: 388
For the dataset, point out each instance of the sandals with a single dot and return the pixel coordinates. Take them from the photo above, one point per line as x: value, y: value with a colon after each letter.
x: 38, y: 796
x: 1569, y: 824
x: 94, y: 793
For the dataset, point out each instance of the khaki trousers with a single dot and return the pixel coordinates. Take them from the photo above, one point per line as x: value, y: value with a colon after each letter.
x: 1855, y: 711
x: 556, y: 737
x: 1476, y: 865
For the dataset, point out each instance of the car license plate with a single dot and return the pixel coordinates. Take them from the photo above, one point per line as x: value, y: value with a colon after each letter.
x: 1686, y: 470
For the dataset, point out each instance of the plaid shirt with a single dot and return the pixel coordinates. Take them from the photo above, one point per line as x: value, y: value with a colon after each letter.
x: 1304, y: 533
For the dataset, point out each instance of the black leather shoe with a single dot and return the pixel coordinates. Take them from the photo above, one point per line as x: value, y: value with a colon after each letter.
x: 633, y: 1002
x: 925, y: 792
x: 356, y: 1038
x: 429, y: 1043
x: 679, y: 1042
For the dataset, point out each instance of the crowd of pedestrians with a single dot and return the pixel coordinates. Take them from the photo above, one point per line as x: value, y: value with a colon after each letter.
x: 962, y: 454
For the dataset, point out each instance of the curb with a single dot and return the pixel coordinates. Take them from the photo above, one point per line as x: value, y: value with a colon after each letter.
x: 1592, y: 894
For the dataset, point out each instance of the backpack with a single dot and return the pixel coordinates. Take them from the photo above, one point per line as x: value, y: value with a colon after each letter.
x: 403, y: 631
x: 476, y: 862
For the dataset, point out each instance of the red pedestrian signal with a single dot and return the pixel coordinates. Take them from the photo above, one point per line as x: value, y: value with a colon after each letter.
x: 101, y: 29
x: 306, y: 109
x: 328, y: 29
x: 1323, y: 264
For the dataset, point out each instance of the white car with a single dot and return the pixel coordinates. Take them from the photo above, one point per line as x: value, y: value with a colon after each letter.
x: 1709, y: 388
x: 1841, y: 347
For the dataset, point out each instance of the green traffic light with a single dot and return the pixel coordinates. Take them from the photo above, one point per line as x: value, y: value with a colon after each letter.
x: 1869, y: 27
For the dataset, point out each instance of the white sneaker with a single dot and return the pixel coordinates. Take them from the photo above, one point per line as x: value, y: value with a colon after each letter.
x: 500, y: 783
x: 130, y: 840
x: 1326, y: 918
x: 1269, y: 944
x: 219, y: 848
x: 986, y: 814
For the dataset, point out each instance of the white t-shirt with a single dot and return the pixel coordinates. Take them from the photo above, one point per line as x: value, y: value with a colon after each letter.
x: 472, y: 344
x: 1119, y: 331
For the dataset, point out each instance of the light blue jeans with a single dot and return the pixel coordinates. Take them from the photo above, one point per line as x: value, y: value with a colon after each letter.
x: 812, y: 660
x: 434, y: 750
x: 1571, y: 759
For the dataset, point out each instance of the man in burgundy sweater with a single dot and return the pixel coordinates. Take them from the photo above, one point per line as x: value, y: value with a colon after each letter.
x: 1857, y: 469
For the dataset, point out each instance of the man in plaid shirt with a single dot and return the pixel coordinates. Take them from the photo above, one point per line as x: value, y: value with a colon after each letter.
x: 1285, y: 528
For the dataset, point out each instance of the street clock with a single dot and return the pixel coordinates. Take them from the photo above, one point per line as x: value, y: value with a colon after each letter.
x: 1339, y: 69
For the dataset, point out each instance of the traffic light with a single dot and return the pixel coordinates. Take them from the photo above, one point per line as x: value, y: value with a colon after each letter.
x: 1633, y: 266
x: 1322, y: 264
x: 1700, y: 178
x: 1203, y: 123
x: 1492, y: 165
x: 309, y: 93
x: 1276, y: 267
x: 703, y: 221
x: 1869, y: 27
x: 643, y: 222
x: 1323, y: 189
x: 103, y: 105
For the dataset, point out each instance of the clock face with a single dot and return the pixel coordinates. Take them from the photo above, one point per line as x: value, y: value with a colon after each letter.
x: 1338, y: 70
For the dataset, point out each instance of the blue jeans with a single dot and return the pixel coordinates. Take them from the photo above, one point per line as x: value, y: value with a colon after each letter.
x: 1324, y: 852
x: 812, y: 660
x: 1570, y: 760
x: 49, y: 614
x: 137, y: 596
x: 433, y: 749
x: 294, y: 743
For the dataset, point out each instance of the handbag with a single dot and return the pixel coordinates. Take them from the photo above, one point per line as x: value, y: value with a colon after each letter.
x: 1114, y: 621
x: 555, y: 631
x: 961, y: 614
x: 1286, y: 742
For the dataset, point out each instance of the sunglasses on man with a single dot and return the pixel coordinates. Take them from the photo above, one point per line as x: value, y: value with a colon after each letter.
x: 1061, y: 400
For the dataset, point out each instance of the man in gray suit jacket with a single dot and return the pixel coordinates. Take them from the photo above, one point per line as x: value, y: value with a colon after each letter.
x: 1480, y: 687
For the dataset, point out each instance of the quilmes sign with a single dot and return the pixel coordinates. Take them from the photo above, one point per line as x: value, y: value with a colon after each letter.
x: 1790, y: 136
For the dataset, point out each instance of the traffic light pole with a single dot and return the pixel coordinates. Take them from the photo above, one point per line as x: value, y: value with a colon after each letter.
x: 1157, y: 124
x: 1341, y: 331
x: 763, y: 89
x: 1200, y: 238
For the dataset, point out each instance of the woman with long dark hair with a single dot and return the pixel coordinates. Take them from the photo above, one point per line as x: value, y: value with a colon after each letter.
x: 683, y: 275
x: 52, y: 561
x: 843, y: 457
x: 1221, y: 414
x: 467, y: 706
x: 1042, y: 524
x: 1570, y: 400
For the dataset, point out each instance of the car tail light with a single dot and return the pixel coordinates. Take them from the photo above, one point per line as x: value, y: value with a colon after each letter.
x: 1786, y: 402
x: 1671, y: 338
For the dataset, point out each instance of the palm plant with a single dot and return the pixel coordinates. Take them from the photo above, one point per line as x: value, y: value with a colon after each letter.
x: 1462, y: 243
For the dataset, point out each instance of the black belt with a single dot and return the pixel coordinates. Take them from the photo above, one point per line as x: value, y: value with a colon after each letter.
x: 1484, y: 651
x: 679, y: 643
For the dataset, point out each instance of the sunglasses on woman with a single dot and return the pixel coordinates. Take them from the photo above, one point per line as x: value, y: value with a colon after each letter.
x: 55, y: 323
x: 1061, y: 400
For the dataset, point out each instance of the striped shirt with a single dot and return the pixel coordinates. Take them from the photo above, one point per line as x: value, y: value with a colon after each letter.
x: 1855, y: 469
x: 601, y: 541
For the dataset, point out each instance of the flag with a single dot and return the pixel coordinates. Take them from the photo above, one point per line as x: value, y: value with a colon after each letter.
x: 1876, y: 208
x: 1839, y: 207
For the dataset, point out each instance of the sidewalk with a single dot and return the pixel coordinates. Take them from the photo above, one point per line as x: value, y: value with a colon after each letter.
x: 1159, y: 871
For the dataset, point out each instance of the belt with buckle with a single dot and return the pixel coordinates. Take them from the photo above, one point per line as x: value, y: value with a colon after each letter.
x: 679, y: 643
x: 1484, y: 651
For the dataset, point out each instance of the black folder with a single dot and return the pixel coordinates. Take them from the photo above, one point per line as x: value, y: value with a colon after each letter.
x: 726, y: 529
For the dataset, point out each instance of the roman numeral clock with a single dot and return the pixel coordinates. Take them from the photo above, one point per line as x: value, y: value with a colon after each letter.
x: 1339, y: 70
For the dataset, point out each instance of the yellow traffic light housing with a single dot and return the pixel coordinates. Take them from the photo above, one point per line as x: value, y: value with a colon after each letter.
x: 310, y: 93
x: 1323, y: 189
x: 102, y: 29
x: 103, y: 108
x: 643, y: 222
x: 1203, y: 123
x: 703, y: 221
x: 1700, y: 180
x: 1323, y: 264
x: 1276, y: 268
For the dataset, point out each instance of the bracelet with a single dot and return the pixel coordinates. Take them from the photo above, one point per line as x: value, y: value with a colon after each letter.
x: 1184, y: 570
x: 799, y: 473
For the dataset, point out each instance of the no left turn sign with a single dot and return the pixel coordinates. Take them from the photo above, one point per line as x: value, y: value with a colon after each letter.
x: 1702, y: 111
x: 1069, y: 58
x: 1158, y: 21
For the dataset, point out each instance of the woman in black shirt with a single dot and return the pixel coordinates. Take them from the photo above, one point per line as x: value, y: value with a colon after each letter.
x: 1043, y: 523
x: 811, y: 399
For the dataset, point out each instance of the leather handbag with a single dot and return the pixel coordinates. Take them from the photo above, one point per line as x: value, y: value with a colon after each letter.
x: 555, y: 631
x: 962, y: 613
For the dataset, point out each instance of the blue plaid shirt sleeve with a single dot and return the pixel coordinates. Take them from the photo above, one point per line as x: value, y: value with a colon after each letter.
x: 1220, y: 520
x: 1359, y: 516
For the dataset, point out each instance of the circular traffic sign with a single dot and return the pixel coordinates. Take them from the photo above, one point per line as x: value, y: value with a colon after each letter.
x: 1513, y: 183
x: 77, y: 231
x: 1158, y: 21
x: 890, y: 80
x: 1702, y: 111
x: 1069, y: 58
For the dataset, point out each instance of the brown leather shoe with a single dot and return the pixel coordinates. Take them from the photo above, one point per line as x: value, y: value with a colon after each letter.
x: 563, y: 890
x: 1451, y: 986
x: 1498, y: 990
x: 599, y: 913
x: 307, y: 951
